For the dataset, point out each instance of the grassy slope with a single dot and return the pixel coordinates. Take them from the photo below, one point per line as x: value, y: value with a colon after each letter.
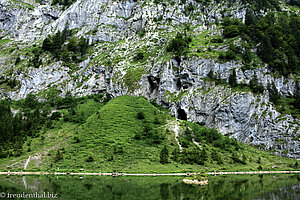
x: 108, y: 136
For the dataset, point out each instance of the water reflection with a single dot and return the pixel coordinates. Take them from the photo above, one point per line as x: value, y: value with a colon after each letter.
x: 258, y: 187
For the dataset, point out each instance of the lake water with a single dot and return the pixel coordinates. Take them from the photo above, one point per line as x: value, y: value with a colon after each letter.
x: 95, y: 187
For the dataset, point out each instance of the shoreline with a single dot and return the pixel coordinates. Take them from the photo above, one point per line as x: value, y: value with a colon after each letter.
x: 146, y: 174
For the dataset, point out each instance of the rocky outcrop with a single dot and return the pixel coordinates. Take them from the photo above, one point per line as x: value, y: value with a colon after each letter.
x: 248, y: 117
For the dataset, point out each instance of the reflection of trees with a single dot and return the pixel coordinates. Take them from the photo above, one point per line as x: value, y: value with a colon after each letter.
x: 165, y: 188
x: 164, y: 191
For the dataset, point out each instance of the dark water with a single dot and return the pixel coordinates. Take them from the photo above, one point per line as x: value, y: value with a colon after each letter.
x: 94, y: 187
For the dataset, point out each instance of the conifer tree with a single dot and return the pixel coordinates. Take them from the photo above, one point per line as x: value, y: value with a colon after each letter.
x: 164, y: 155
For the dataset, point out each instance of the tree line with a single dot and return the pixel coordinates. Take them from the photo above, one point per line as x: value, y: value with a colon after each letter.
x: 31, y: 116
x: 275, y: 36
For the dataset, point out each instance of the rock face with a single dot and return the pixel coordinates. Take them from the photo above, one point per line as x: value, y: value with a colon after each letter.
x: 249, y: 118
x: 117, y: 31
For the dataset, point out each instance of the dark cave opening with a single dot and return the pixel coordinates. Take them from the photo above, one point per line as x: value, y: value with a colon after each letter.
x: 181, y: 114
x: 178, y: 60
x: 154, y: 82
x: 178, y: 84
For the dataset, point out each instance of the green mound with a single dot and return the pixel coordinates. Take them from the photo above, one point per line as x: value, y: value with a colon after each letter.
x: 126, y: 132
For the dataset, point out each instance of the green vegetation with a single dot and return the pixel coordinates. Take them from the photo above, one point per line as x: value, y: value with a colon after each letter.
x: 275, y: 37
x: 15, y: 129
x: 179, y: 45
x: 9, y: 84
x: 254, y: 86
x: 66, y: 3
x: 4, y: 41
x: 34, y: 117
x: 280, y: 51
x: 66, y: 48
x: 126, y: 134
x: 294, y: 2
x: 132, y: 77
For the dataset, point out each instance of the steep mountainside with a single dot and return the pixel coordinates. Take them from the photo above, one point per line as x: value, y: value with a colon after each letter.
x: 201, y: 59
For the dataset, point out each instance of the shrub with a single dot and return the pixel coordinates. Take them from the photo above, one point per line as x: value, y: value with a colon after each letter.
x: 255, y: 86
x: 231, y: 31
x: 58, y: 156
x: 89, y: 159
x: 232, y: 79
x: 217, y: 40
x: 179, y: 45
x: 55, y: 116
x: 164, y: 155
x: 140, y: 115
x: 139, y: 56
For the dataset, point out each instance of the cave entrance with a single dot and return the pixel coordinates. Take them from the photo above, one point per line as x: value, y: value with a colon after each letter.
x: 153, y: 82
x: 181, y: 114
x: 178, y: 84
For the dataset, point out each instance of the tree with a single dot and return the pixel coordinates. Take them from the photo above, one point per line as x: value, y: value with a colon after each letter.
x: 179, y: 44
x: 250, y: 18
x: 30, y: 101
x: 247, y: 54
x: 231, y: 31
x: 139, y: 56
x: 294, y: 2
x: 203, y: 155
x: 175, y: 154
x: 297, y: 96
x: 83, y: 46
x: 274, y: 94
x: 58, y: 156
x: 164, y: 155
x: 47, y: 44
x: 296, y: 165
x: 210, y: 74
x: 255, y: 86
x: 232, y: 79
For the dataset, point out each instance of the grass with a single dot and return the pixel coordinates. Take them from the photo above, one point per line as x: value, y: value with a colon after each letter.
x: 203, y: 45
x: 29, y: 6
x: 285, y: 106
x: 106, y: 141
x: 4, y: 41
x: 132, y: 77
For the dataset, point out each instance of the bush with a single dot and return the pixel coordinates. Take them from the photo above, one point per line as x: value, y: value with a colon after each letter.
x: 58, y: 156
x: 89, y: 159
x: 231, y: 31
x: 141, y: 32
x: 255, y: 86
x: 274, y: 94
x: 259, y: 167
x: 232, y: 79
x: 294, y: 2
x: 76, y: 139
x: 217, y: 40
x: 164, y: 155
x: 236, y: 159
x: 140, y: 115
x: 179, y: 44
x: 18, y: 60
x: 63, y: 2
x: 55, y: 116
